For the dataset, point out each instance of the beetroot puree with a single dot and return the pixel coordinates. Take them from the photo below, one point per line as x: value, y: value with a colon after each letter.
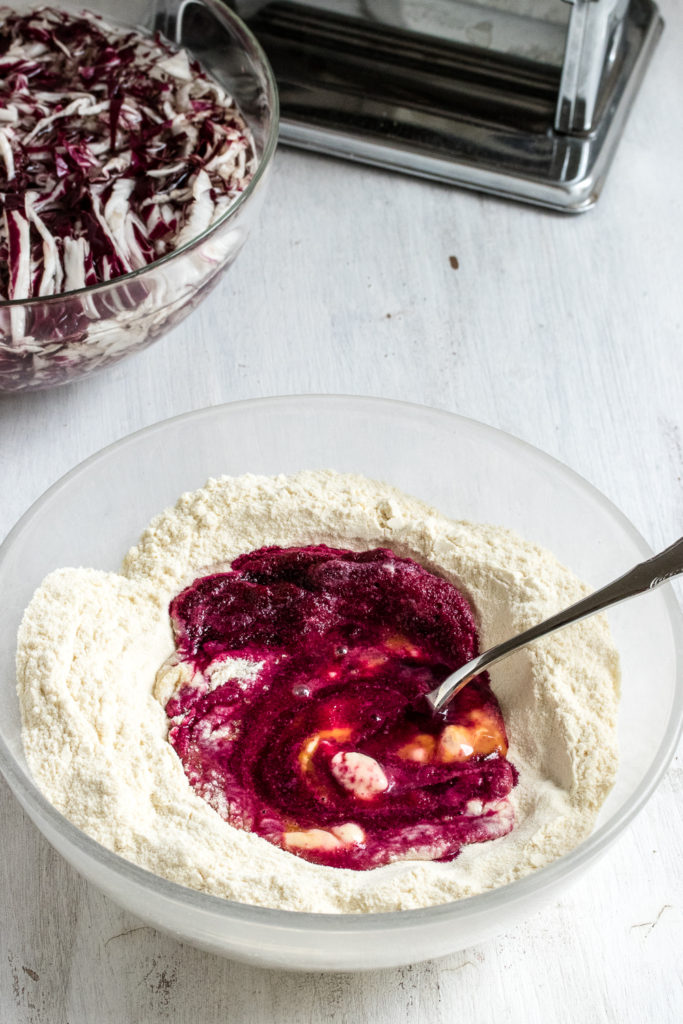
x: 326, y: 749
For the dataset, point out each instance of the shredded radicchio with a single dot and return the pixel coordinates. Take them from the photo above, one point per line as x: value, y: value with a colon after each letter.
x: 115, y: 149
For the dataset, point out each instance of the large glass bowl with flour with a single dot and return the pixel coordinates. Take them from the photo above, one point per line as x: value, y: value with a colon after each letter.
x: 468, y: 471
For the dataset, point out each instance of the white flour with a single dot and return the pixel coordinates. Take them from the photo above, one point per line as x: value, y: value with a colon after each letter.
x: 91, y: 643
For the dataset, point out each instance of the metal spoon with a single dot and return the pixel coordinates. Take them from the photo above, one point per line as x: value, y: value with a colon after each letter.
x: 643, y: 577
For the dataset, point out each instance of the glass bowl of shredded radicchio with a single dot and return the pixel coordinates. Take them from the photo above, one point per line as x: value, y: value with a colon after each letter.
x: 132, y: 166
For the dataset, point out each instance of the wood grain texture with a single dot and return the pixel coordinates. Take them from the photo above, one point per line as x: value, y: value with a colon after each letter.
x: 566, y: 332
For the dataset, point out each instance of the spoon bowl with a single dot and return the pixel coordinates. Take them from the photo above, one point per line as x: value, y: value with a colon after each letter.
x: 642, y: 578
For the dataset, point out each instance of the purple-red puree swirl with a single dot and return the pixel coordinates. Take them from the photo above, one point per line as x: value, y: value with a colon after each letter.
x: 316, y: 738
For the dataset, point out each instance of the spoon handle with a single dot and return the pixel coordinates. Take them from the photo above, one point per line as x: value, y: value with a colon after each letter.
x: 643, y: 577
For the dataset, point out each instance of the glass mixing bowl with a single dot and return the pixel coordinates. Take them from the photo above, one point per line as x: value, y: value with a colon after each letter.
x: 51, y: 340
x: 96, y: 512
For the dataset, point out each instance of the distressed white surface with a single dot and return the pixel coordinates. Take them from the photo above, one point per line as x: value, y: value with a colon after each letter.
x: 566, y: 332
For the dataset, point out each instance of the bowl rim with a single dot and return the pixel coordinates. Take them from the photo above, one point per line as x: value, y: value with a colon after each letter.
x: 512, y: 893
x: 248, y: 41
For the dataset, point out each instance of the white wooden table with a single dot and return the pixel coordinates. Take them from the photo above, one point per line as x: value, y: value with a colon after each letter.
x: 566, y: 332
